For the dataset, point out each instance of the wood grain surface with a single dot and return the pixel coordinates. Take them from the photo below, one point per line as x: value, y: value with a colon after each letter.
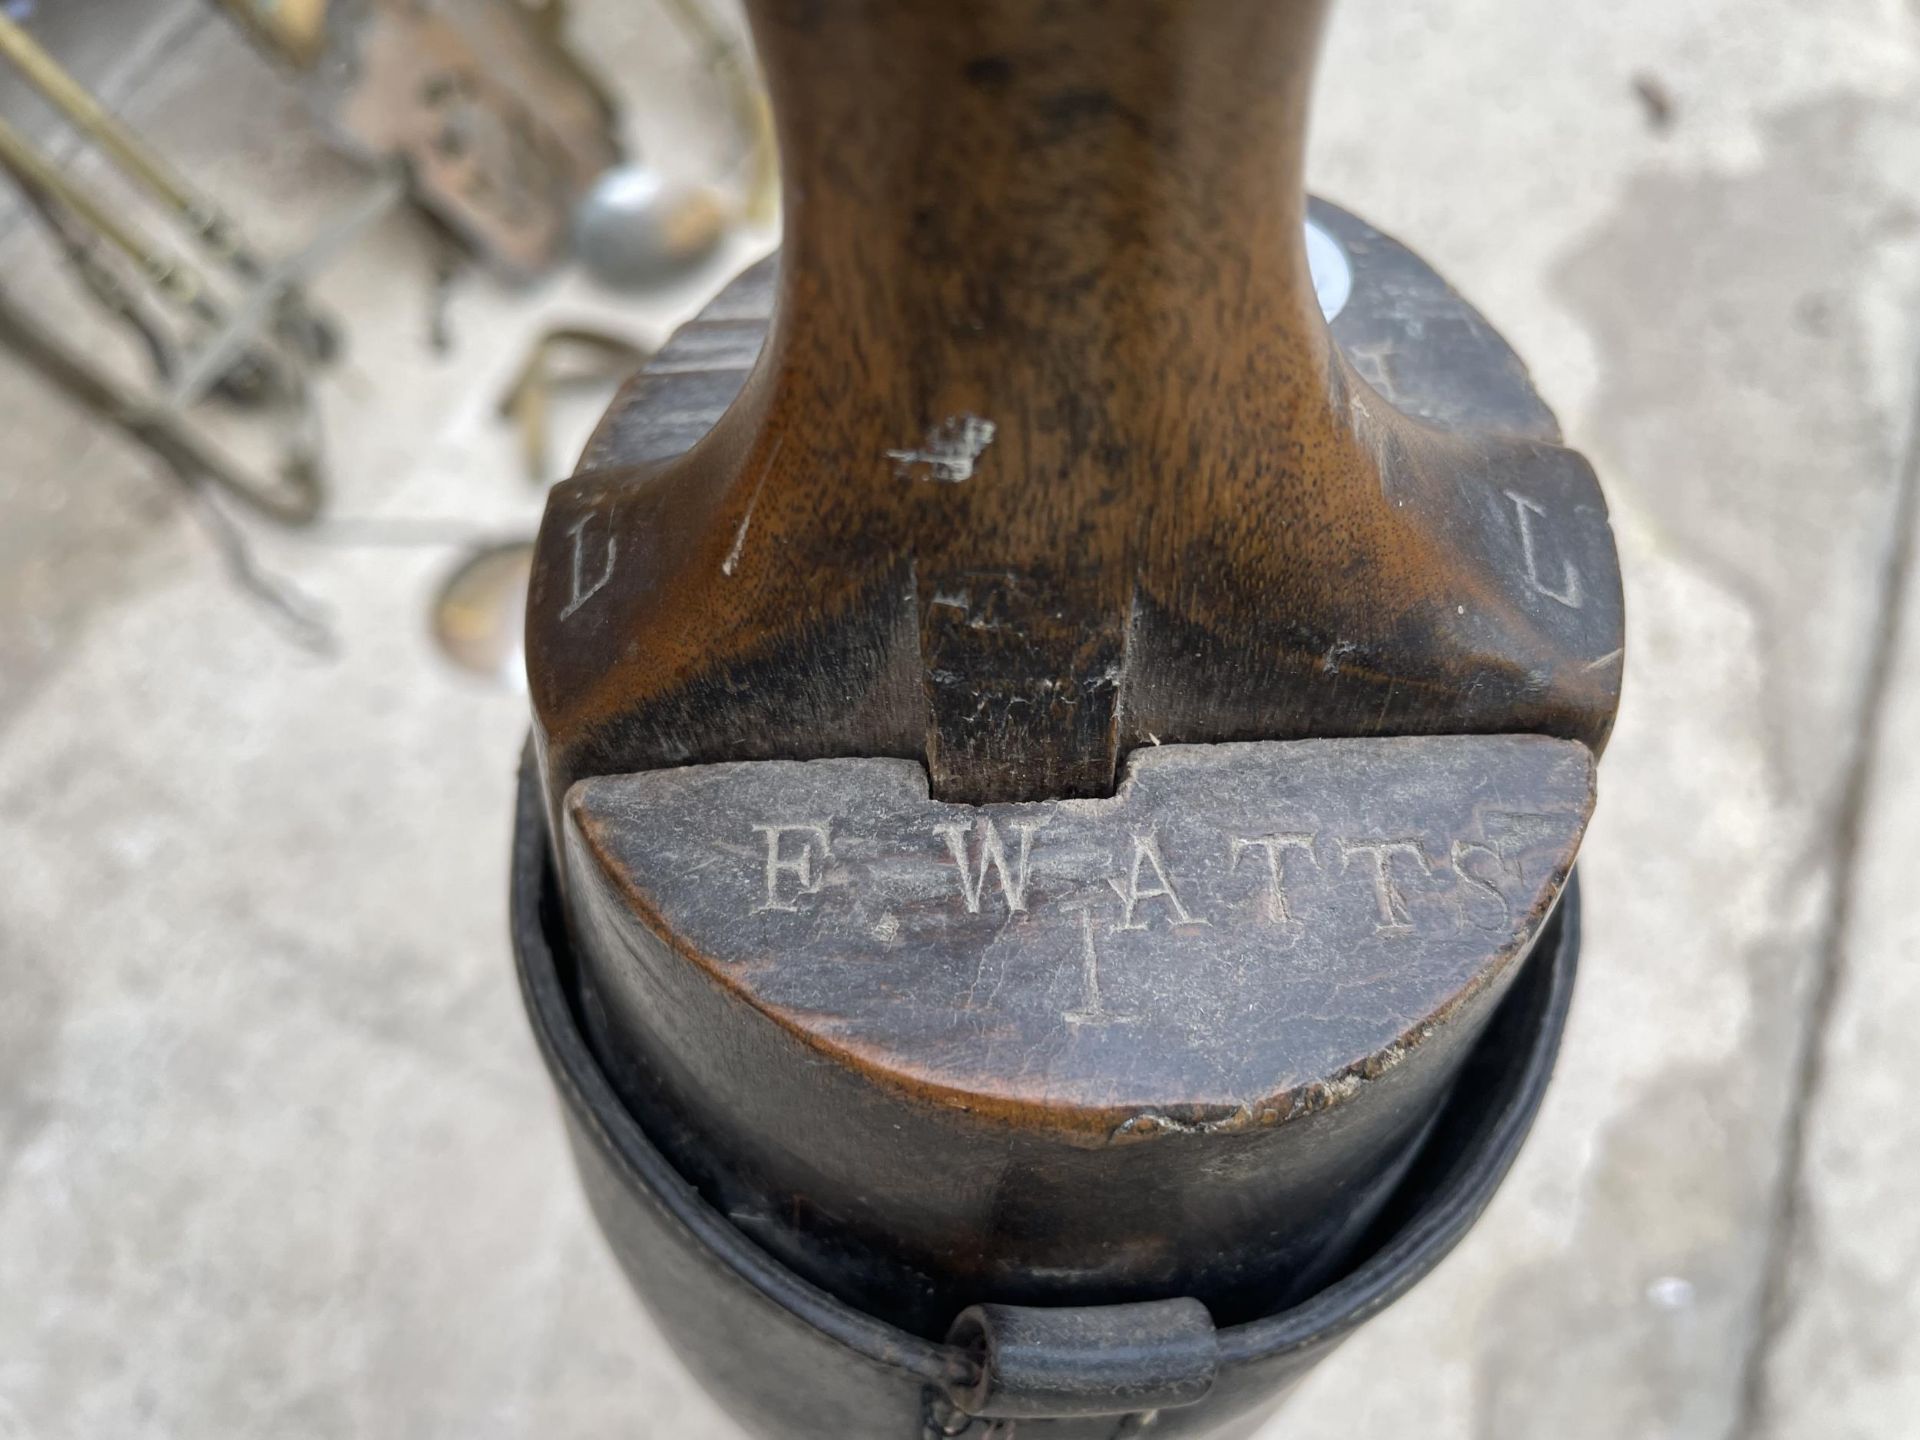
x: 1032, y: 465
x: 1180, y: 1041
x: 1048, y: 453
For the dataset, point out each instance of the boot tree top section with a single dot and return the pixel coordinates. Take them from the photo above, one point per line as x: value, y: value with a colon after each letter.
x: 1047, y: 453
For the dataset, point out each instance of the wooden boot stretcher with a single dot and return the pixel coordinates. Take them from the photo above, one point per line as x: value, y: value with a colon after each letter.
x: 1044, y: 872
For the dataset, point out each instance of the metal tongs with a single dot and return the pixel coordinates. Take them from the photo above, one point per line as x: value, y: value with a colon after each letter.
x: 255, y: 353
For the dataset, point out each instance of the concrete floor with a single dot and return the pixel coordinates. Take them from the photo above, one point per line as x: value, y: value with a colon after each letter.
x: 276, y: 1154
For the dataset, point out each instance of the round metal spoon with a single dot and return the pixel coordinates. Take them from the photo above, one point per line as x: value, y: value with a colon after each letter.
x: 637, y: 228
x: 479, y: 616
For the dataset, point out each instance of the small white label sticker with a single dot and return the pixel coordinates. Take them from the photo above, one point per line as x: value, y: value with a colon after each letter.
x: 1331, y: 270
